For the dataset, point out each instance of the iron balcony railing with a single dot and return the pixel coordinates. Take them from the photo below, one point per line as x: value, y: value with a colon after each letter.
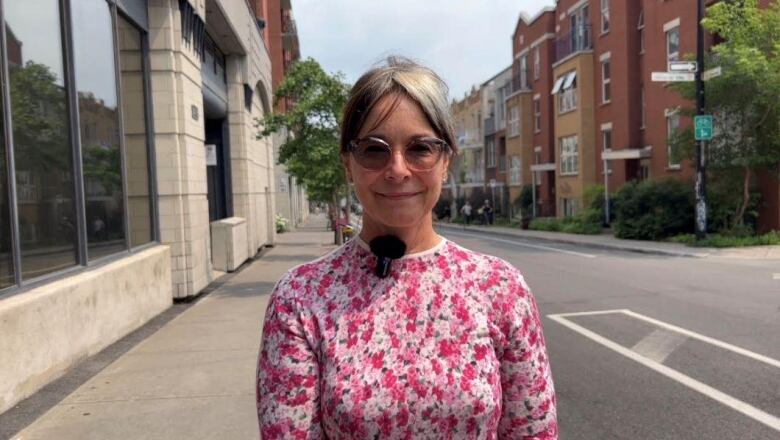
x: 577, y: 39
x: 490, y: 126
x: 521, y: 80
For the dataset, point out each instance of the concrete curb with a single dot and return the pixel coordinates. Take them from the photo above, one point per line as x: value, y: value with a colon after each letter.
x: 565, y: 240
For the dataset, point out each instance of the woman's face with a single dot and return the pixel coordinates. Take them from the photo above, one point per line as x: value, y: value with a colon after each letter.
x: 397, y: 196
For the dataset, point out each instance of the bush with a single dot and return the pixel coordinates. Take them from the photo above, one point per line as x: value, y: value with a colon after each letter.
x: 651, y: 210
x: 586, y: 222
x: 281, y: 223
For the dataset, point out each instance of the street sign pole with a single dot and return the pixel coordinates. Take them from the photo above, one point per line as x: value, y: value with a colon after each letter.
x: 701, y: 200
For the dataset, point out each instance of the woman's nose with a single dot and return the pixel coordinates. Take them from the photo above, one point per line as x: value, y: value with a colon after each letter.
x: 397, y: 168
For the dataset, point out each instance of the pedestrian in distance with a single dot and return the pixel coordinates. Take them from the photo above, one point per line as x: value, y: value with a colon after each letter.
x: 466, y: 211
x: 487, y: 213
x: 401, y: 332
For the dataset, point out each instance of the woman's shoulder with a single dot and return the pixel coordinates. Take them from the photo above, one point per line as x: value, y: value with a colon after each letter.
x: 314, y: 271
x: 480, y: 264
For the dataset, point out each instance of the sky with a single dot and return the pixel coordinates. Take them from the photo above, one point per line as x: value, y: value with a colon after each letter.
x: 465, y: 41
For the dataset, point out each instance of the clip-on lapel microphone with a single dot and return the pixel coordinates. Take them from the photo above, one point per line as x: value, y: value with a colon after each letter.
x: 386, y: 248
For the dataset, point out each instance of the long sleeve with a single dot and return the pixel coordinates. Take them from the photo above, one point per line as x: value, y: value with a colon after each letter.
x: 288, y: 400
x: 529, y: 404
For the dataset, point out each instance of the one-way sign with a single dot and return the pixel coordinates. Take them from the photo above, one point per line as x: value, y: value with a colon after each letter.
x: 683, y: 66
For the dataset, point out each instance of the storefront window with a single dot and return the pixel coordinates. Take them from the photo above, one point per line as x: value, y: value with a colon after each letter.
x: 93, y: 41
x: 6, y: 257
x: 41, y: 144
x: 134, y: 123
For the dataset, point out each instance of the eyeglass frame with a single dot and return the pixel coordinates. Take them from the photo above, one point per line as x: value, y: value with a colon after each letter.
x: 444, y: 150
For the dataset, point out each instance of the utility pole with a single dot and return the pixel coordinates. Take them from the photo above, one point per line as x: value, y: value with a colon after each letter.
x: 701, y: 202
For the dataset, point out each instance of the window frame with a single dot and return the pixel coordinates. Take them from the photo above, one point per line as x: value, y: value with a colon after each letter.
x: 604, y: 14
x: 671, y: 115
x: 82, y: 262
x: 606, y: 81
x: 569, y: 154
x: 672, y: 56
x: 537, y: 63
x: 513, y: 127
x: 537, y: 103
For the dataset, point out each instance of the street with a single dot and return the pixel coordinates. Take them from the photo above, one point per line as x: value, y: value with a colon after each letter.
x: 604, y: 393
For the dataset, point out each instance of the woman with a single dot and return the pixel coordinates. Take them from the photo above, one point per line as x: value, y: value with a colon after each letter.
x: 449, y: 345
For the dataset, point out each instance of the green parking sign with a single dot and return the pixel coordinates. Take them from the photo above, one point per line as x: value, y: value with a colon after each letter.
x: 703, y: 125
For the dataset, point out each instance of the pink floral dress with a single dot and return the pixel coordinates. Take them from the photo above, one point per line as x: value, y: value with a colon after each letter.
x: 449, y: 346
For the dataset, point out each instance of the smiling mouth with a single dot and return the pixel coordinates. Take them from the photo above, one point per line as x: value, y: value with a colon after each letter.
x: 398, y: 196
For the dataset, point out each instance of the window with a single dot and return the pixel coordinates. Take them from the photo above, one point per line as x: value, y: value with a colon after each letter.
x: 514, y: 121
x: 537, y: 63
x: 604, y: 16
x: 606, y: 80
x: 42, y: 149
x: 673, y: 44
x: 672, y: 125
x: 644, y: 169
x: 94, y: 51
x: 515, y: 176
x: 490, y: 151
x: 524, y: 72
x: 537, y: 114
x: 569, y: 156
x: 642, y: 106
x: 139, y: 201
x: 606, y: 144
x: 58, y: 229
x: 570, y: 207
x: 567, y: 96
x: 641, y: 28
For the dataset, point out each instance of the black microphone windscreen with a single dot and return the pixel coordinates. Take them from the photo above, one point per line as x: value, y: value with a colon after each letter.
x: 388, y: 246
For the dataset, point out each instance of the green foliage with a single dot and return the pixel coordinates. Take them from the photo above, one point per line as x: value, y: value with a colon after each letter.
x: 311, y: 151
x: 744, y: 100
x: 281, y: 223
x: 586, y: 222
x: 726, y: 240
x: 654, y: 210
x: 525, y: 201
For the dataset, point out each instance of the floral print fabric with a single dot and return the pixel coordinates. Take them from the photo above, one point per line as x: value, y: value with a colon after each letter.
x: 449, y: 346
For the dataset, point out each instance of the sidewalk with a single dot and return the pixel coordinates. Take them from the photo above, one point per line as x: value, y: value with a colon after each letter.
x: 609, y: 242
x: 195, y: 377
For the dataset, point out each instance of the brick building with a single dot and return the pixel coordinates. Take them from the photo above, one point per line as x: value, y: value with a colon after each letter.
x: 585, y: 100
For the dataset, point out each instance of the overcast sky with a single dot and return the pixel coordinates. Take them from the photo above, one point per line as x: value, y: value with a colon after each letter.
x: 465, y: 41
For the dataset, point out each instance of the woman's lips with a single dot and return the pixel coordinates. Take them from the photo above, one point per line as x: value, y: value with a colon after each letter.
x: 399, y: 195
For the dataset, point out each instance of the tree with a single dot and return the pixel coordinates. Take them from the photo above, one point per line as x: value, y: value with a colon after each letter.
x: 744, y: 100
x: 311, y: 151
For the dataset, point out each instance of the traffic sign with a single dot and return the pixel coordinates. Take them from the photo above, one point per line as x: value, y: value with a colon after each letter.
x: 703, y: 125
x: 683, y: 66
x: 672, y: 77
x: 712, y: 73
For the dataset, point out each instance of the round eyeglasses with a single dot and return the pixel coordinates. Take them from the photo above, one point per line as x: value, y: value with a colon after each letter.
x: 421, y: 154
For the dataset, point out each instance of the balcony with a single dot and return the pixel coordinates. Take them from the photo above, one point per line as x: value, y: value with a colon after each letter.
x: 474, y: 177
x: 578, y: 39
x: 521, y: 81
x: 490, y: 126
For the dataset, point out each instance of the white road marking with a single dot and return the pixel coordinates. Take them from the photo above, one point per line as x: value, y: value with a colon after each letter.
x: 659, y: 344
x: 707, y: 339
x: 535, y: 246
x: 719, y: 396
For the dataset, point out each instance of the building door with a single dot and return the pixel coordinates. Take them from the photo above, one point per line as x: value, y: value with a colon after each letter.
x: 218, y: 170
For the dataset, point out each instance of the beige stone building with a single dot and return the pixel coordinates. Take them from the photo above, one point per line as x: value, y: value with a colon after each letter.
x: 147, y: 182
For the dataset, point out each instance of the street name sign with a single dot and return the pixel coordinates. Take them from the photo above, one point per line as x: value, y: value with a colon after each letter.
x: 683, y: 66
x: 712, y: 73
x: 672, y: 77
x: 703, y: 125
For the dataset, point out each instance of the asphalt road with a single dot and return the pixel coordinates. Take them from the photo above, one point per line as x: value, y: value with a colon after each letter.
x: 686, y: 348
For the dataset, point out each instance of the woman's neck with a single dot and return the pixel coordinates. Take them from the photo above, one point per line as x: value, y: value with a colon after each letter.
x: 418, y: 238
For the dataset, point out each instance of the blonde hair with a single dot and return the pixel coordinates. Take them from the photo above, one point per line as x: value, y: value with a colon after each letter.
x: 401, y: 77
